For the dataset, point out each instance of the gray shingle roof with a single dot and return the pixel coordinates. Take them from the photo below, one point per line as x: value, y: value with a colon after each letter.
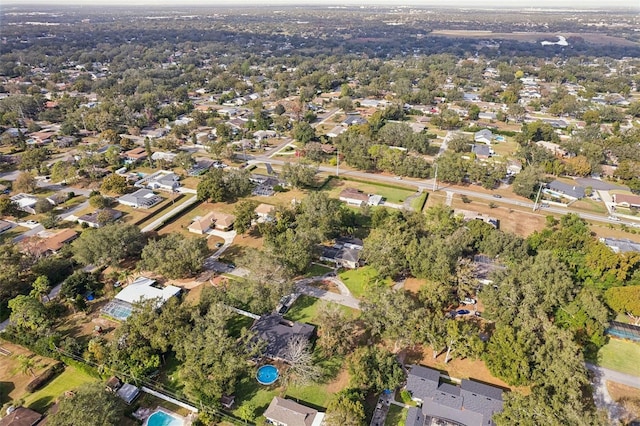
x: 472, y: 403
x: 290, y: 413
x: 277, y: 332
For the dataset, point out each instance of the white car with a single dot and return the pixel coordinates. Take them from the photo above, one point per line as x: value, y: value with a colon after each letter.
x: 614, y: 218
x: 31, y: 222
x: 468, y: 301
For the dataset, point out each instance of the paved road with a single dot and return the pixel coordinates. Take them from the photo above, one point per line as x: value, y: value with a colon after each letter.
x: 601, y: 396
x: 171, y: 213
x: 615, y: 376
x: 428, y: 183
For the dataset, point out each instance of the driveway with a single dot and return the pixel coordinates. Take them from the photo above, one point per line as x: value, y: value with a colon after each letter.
x: 601, y: 396
x: 171, y: 213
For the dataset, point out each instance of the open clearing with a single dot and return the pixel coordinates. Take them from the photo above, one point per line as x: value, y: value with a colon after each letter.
x: 620, y: 355
x: 593, y: 38
x: 14, y: 382
x: 70, y: 378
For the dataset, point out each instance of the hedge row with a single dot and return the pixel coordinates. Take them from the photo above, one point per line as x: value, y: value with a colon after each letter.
x: 45, y: 377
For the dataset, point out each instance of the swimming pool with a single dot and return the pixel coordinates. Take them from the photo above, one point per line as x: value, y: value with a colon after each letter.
x: 160, y: 418
x: 267, y: 375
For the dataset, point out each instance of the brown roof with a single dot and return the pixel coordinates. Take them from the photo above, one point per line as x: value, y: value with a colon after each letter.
x: 21, y: 417
x: 136, y: 153
x: 354, y: 194
x: 214, y: 219
x: 632, y: 200
x: 290, y: 413
x: 264, y: 209
x: 48, y: 242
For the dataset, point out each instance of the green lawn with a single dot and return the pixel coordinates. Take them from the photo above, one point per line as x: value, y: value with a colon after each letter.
x: 249, y: 390
x: 69, y: 379
x: 396, y: 416
x: 419, y: 202
x: 620, y: 355
x: 358, y: 280
x: 305, y: 309
x: 316, y: 270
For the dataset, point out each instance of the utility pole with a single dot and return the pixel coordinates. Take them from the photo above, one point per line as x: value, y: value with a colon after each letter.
x: 535, y: 205
x: 435, y: 179
x: 337, y: 162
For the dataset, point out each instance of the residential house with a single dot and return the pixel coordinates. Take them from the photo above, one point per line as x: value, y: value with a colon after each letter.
x: 556, y: 149
x: 514, y: 167
x: 135, y: 155
x: 20, y: 416
x: 216, y: 220
x: 5, y: 226
x: 622, y: 245
x: 285, y: 412
x: 201, y: 166
x: 353, y: 120
x: 558, y: 189
x: 468, y: 215
x: 163, y: 156
x: 346, y: 252
x: 162, y: 180
x: 328, y: 148
x: 488, y: 116
x: 47, y: 242
x: 57, y: 198
x: 336, y: 131
x: 25, y: 202
x: 265, y: 184
x: 482, y: 152
x: 471, y: 97
x: 141, y: 199
x: 470, y: 404
x: 341, y: 256
x: 41, y: 137
x: 262, y: 135
x: 276, y: 332
x: 265, y: 212
x: 100, y: 217
x: 140, y: 290
x: 358, y: 198
x: 626, y: 200
x: 483, y: 136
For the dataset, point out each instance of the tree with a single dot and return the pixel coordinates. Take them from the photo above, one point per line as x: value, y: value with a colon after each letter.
x: 509, y: 354
x: 174, y: 256
x: 29, y: 313
x: 245, y: 213
x: 25, y: 182
x: 41, y: 288
x: 89, y: 405
x: 299, y: 175
x: 43, y: 206
x: 108, y: 245
x: 75, y: 288
x: 302, y: 369
x: 337, y: 332
x: 374, y: 369
x: 26, y: 364
x: 460, y: 143
x: 218, y: 185
x: 63, y: 171
x: 346, y: 409
x: 33, y: 158
x: 625, y: 300
x: 303, y: 132
x: 7, y: 207
x: 527, y: 182
x: 98, y: 201
x: 184, y: 159
x: 114, y: 183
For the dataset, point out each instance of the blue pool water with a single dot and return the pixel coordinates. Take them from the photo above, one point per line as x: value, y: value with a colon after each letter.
x: 500, y: 138
x: 160, y: 418
x: 267, y: 375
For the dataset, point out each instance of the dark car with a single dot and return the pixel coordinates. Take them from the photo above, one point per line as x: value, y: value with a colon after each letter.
x: 463, y: 312
x: 497, y: 196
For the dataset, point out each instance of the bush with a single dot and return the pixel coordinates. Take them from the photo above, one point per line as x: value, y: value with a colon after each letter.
x: 45, y: 377
x: 43, y: 206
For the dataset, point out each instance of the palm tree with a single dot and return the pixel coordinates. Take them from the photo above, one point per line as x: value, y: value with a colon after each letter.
x: 26, y: 364
x: 41, y: 287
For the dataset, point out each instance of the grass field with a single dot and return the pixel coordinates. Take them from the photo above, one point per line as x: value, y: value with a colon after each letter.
x: 68, y: 380
x: 418, y: 203
x: 358, y: 280
x: 305, y: 309
x: 396, y: 416
x: 620, y: 355
x: 316, y: 270
x: 391, y: 194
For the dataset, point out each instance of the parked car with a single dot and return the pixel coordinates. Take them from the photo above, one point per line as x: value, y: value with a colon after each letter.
x: 468, y: 301
x: 497, y: 196
x: 218, y: 245
x: 614, y: 218
x: 463, y: 312
x: 31, y: 222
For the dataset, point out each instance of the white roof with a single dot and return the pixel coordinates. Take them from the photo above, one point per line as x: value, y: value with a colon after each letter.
x: 142, y: 289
